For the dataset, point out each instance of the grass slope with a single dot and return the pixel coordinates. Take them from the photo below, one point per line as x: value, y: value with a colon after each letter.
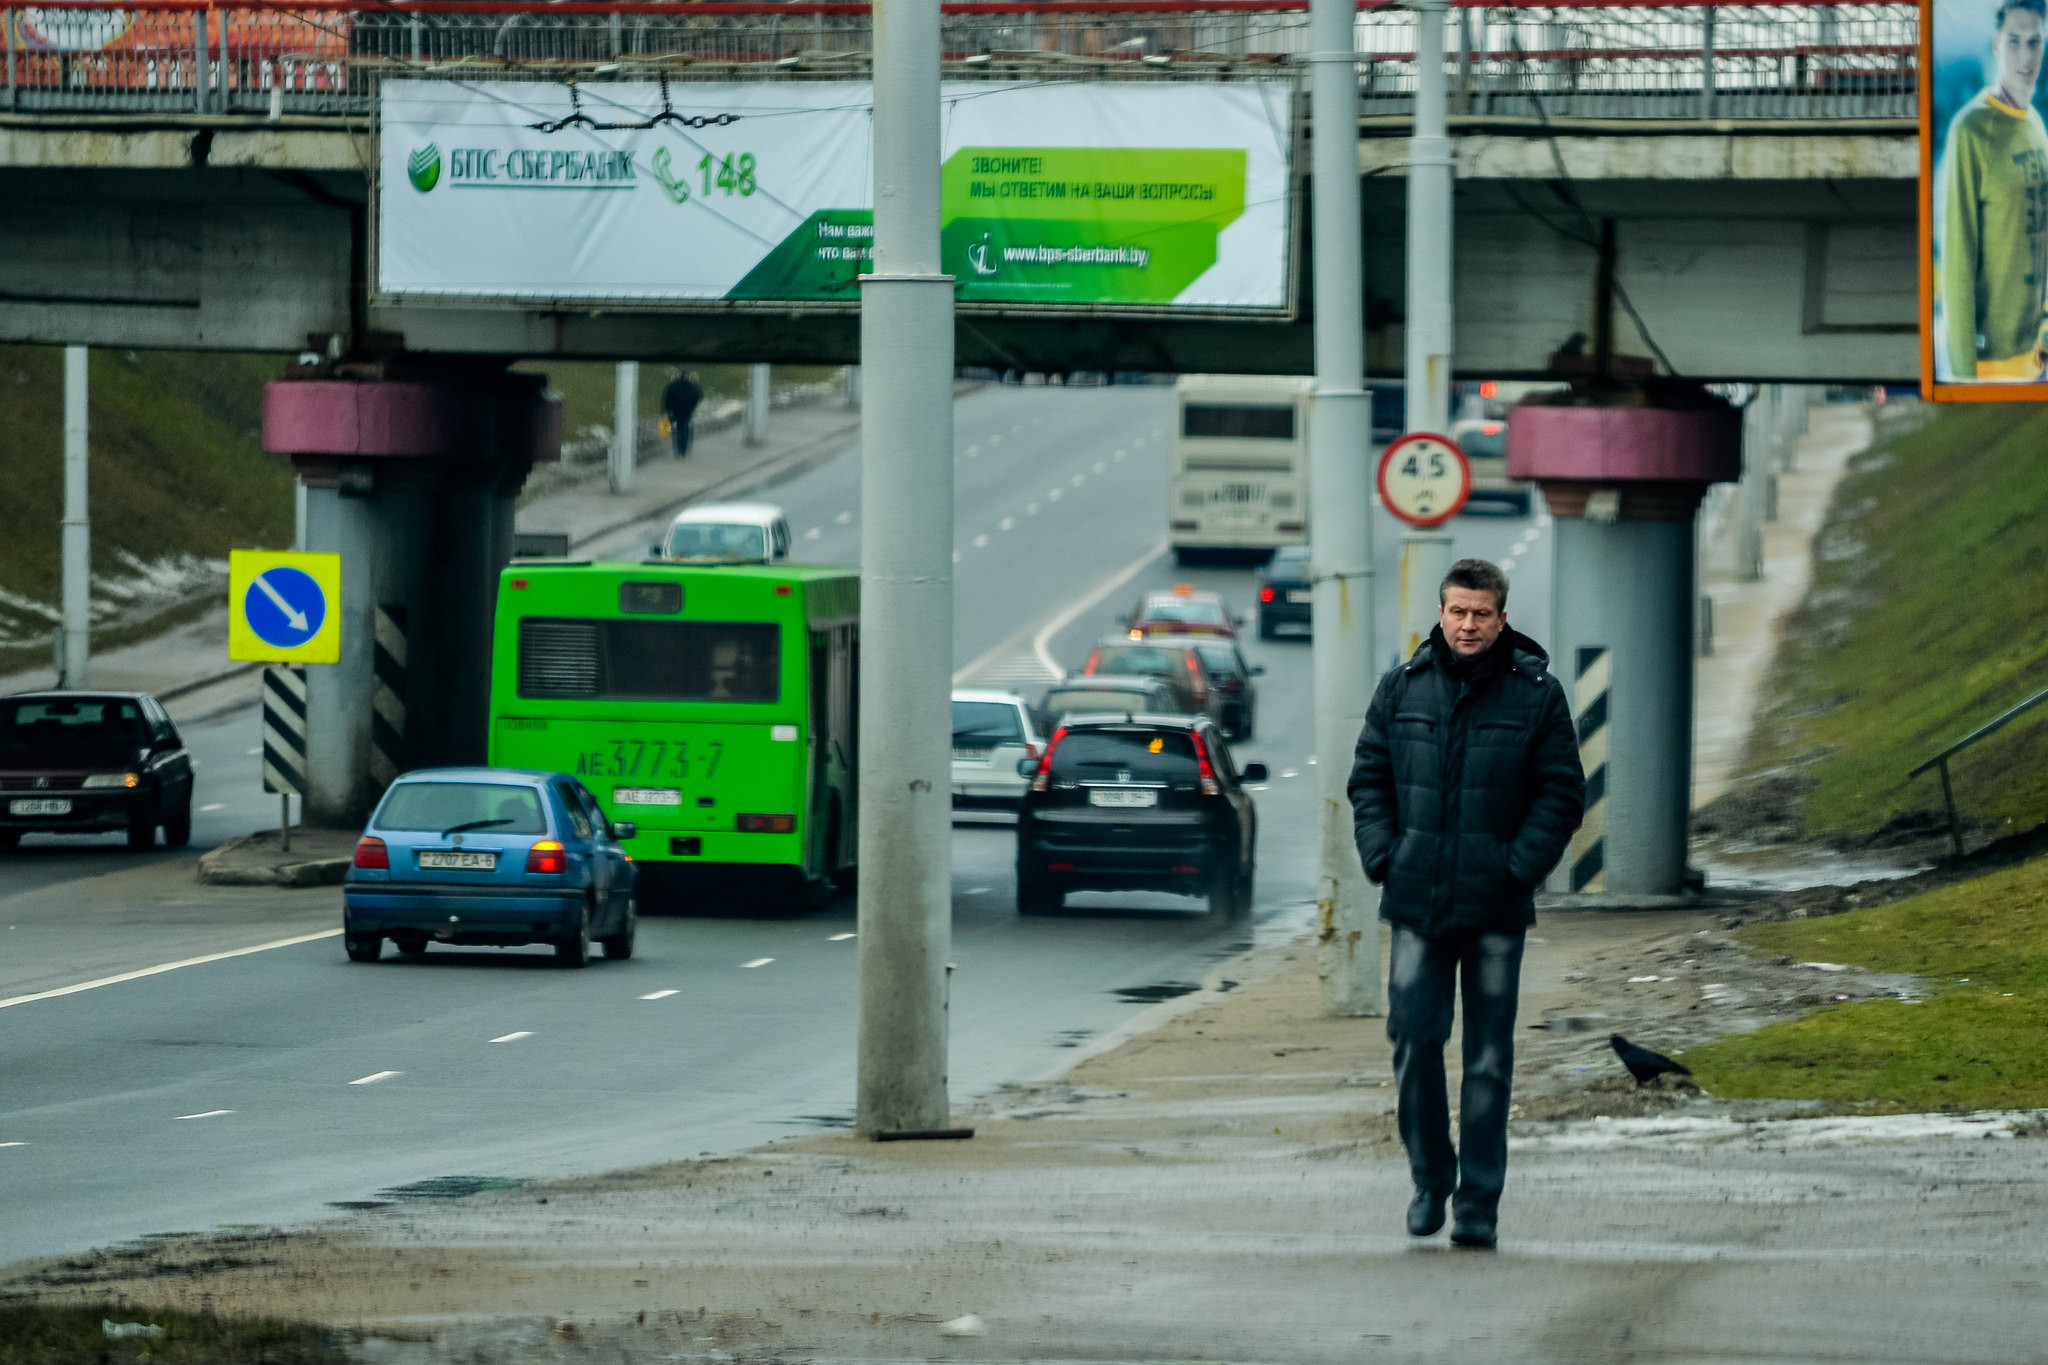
x: 177, y: 473
x: 1974, y: 1041
x: 33, y: 1335
x: 1928, y: 615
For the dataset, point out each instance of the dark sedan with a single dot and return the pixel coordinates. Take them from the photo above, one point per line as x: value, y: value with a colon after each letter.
x: 91, y: 763
x: 1226, y: 664
x: 1286, y: 595
x: 1148, y: 803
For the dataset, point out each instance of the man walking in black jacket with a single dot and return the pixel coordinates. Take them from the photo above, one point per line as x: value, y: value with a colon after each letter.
x: 1465, y: 789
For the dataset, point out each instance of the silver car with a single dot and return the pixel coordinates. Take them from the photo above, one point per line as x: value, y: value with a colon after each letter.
x: 992, y: 733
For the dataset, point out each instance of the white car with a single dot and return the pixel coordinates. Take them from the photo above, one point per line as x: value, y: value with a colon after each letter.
x: 727, y: 532
x: 992, y: 733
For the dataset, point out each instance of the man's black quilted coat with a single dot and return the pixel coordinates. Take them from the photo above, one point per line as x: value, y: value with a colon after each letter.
x: 1466, y: 786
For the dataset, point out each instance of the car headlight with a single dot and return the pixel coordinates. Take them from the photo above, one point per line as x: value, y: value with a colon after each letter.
x: 113, y: 780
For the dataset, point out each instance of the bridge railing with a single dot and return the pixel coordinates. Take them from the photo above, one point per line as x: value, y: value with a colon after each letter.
x: 1645, y: 60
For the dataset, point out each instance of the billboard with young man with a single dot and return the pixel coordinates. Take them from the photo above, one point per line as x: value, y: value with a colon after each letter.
x: 1106, y: 195
x: 1984, y: 200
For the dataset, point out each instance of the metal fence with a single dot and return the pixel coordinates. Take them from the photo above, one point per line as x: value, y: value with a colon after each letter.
x: 1647, y: 60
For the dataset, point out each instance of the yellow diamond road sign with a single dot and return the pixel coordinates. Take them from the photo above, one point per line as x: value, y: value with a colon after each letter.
x: 284, y: 607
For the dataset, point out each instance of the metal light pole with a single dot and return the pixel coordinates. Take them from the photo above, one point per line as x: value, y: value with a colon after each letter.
x: 906, y: 343
x: 760, y: 393
x: 1429, y: 229
x: 625, y: 451
x: 1340, y: 495
x: 76, y: 597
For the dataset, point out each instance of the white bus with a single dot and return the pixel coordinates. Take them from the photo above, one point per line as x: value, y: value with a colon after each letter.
x: 1239, y: 474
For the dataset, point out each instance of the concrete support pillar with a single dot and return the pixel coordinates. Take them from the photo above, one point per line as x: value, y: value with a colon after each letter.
x: 759, y: 393
x: 1623, y: 480
x: 624, y: 456
x: 413, y: 484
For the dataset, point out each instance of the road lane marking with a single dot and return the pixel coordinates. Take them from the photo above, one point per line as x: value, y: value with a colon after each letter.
x: 1030, y: 509
x: 1530, y: 534
x: 1290, y: 772
x: 513, y: 1037
x: 1042, y: 642
x: 814, y: 533
x: 1054, y: 494
x: 1521, y: 547
x: 257, y: 750
x: 1101, y: 467
x: 973, y: 451
x: 659, y: 995
x: 209, y: 1114
x: 1007, y: 524
x: 1121, y: 455
x: 840, y: 938
x: 981, y: 542
x: 757, y: 962
x: 1078, y: 480
x: 218, y: 805
x: 956, y: 556
x: 844, y: 518
x: 167, y: 967
x: 996, y: 439
x: 13, y: 1144
x: 375, y: 1077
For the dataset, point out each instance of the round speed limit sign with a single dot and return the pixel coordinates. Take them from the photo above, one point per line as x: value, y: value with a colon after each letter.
x: 1424, y: 478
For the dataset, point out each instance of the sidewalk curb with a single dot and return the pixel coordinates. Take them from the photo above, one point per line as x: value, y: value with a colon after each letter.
x: 742, y: 482
x: 214, y: 871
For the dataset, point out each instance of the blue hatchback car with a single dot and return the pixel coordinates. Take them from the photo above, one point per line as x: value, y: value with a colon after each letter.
x: 492, y: 856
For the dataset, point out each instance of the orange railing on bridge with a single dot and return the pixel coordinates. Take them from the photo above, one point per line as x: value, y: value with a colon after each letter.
x: 1570, y: 59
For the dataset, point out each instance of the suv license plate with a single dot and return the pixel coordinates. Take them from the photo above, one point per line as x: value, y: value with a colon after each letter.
x: 43, y: 807
x: 1112, y: 796
x: 459, y: 858
x: 1301, y: 595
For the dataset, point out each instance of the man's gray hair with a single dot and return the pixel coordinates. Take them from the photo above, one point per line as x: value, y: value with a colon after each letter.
x: 1480, y: 575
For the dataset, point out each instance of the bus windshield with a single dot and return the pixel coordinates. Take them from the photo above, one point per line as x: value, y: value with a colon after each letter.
x: 717, y: 540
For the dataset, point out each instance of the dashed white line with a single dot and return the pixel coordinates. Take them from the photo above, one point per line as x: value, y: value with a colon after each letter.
x: 1007, y: 524
x: 814, y: 533
x: 1102, y: 466
x: 1531, y: 533
x: 253, y: 752
x: 1030, y: 509
x: 217, y: 805
x: 757, y: 962
x: 375, y: 1077
x: 1520, y: 548
x: 1121, y: 454
x: 844, y: 518
x: 840, y: 938
x: 980, y: 542
x: 209, y: 1114
x: 1054, y: 494
x: 973, y: 451
x: 659, y: 995
x: 513, y: 1037
x: 13, y: 1144
x: 956, y: 556
x: 996, y: 439
x: 1290, y: 772
x: 1078, y: 480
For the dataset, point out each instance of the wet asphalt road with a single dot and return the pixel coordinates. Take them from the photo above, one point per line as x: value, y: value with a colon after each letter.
x: 265, y: 1087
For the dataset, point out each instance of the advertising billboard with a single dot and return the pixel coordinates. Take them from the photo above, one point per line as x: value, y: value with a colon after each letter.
x: 1983, y: 200
x: 1074, y: 195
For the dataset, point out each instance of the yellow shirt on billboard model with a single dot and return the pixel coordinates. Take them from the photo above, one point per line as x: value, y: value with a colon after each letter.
x: 1993, y: 283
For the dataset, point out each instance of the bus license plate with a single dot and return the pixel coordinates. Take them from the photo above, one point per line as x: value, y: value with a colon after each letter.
x: 1301, y: 595
x: 1113, y: 797
x: 43, y: 807
x: 465, y: 859
x: 647, y: 796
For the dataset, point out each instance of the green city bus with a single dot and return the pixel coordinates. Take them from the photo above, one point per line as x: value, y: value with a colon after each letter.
x: 713, y: 705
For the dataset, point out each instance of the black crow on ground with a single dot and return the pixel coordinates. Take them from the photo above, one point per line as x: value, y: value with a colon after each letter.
x: 1643, y: 1064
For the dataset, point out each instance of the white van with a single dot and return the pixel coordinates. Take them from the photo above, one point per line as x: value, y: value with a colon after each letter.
x: 726, y: 533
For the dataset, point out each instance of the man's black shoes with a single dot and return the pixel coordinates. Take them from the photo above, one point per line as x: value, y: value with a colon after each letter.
x: 1470, y: 1230
x: 1426, y: 1213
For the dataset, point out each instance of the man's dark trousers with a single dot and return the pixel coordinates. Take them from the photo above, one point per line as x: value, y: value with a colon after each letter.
x: 1487, y: 969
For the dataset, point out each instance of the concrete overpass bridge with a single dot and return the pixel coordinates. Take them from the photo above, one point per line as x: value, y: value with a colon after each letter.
x: 1723, y: 193
x: 189, y: 175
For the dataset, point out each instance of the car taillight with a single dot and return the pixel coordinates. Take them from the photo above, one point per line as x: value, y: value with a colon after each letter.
x: 1209, y: 787
x: 1195, y: 675
x: 372, y: 853
x: 1265, y: 594
x: 547, y: 856
x: 1039, y: 779
x: 765, y: 824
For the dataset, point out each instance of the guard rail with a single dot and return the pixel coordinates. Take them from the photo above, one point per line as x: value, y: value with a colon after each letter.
x: 1940, y: 760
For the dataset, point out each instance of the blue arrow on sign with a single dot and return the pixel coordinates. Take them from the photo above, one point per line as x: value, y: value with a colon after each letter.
x: 285, y: 607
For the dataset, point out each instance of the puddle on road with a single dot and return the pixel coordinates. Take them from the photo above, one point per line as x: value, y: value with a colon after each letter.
x: 450, y: 1187
x: 1152, y: 995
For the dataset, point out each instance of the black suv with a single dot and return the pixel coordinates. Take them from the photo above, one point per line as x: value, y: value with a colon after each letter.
x: 88, y: 762
x: 1149, y: 803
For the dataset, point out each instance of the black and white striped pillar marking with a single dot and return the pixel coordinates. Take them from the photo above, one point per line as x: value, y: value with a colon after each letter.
x: 387, y: 699
x: 1587, y: 856
x: 284, y: 729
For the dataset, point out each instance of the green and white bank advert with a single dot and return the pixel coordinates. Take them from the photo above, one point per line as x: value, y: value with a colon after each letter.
x: 1090, y: 195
